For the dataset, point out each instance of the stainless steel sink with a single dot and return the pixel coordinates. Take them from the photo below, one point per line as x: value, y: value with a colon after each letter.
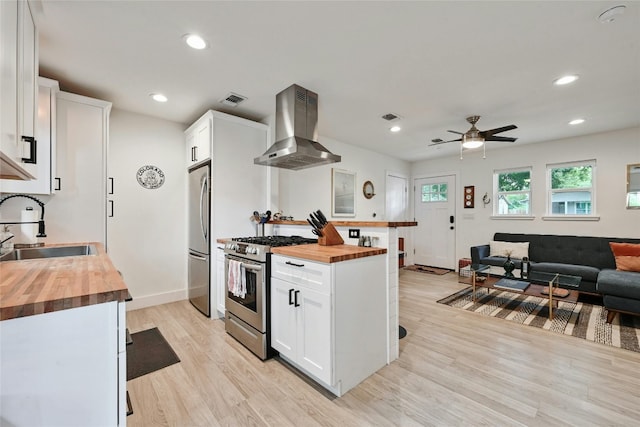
x: 55, y: 252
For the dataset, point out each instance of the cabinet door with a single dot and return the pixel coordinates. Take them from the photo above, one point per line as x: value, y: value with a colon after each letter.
x: 283, y: 318
x: 198, y: 141
x: 314, y: 333
x: 77, y: 212
x: 27, y: 86
x: 46, y: 145
x: 203, y: 140
x: 9, y: 79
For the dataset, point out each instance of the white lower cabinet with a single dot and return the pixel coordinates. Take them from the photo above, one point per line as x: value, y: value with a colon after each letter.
x: 301, y: 326
x: 329, y: 320
x: 64, y: 368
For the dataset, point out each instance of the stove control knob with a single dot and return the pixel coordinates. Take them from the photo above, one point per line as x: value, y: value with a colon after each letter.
x: 257, y: 251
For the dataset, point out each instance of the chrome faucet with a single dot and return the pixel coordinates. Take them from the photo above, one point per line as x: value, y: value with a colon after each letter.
x: 41, y: 232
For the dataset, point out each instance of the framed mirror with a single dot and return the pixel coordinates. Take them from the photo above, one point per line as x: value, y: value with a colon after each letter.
x: 633, y: 186
x: 368, y: 190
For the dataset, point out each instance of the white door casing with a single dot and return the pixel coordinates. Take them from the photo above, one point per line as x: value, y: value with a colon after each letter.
x: 435, y: 234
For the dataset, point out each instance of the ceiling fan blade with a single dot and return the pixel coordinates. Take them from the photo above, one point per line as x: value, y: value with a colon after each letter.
x: 501, y: 139
x: 439, y: 141
x: 487, y: 133
x: 455, y: 131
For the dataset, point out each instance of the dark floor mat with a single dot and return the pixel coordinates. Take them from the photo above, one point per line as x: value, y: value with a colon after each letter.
x: 149, y: 352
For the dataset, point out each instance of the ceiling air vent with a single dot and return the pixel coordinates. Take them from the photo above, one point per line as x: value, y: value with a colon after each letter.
x: 233, y: 99
x: 391, y: 117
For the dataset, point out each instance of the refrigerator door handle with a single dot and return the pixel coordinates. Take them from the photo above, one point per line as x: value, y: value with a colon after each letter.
x: 199, y: 258
x: 203, y: 189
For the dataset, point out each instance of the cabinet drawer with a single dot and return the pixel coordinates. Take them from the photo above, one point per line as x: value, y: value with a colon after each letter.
x: 301, y: 272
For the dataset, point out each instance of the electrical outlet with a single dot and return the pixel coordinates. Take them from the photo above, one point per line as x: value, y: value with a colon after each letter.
x: 354, y: 233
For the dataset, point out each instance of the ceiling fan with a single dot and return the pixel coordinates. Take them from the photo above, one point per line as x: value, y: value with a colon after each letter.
x: 474, y: 138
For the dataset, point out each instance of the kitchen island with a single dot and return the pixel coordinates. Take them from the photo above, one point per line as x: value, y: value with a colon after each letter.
x: 329, y: 312
x: 385, y: 234
x: 62, y: 341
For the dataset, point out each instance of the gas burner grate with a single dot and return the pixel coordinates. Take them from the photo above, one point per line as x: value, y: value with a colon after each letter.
x: 275, y: 241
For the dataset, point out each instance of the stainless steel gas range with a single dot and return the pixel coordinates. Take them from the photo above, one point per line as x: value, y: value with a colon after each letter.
x: 247, y: 270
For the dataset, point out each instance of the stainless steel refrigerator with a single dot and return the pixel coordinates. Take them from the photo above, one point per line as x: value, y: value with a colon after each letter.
x: 199, y: 238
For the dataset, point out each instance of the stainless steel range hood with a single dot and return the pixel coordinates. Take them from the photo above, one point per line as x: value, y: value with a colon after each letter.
x: 296, y: 133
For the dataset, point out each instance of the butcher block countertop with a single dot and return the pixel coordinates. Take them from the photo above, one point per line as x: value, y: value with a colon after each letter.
x: 327, y: 254
x: 386, y: 224
x: 36, y: 286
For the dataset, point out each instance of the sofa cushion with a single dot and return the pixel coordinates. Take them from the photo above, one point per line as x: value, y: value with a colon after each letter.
x: 627, y: 256
x: 514, y: 250
x: 587, y: 273
x: 619, y: 283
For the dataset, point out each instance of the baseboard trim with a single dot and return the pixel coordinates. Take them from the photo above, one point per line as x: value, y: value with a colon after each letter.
x: 156, y: 299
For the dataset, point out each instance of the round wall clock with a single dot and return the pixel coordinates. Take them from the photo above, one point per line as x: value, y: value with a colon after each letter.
x: 150, y: 177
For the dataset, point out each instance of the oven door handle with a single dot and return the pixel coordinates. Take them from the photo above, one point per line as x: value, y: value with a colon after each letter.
x: 252, y: 267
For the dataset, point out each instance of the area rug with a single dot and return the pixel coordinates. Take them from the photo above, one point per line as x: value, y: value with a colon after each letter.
x: 149, y: 352
x: 579, y: 319
x: 427, y: 269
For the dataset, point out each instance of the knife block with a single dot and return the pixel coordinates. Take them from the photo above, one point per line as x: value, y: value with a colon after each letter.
x: 330, y: 236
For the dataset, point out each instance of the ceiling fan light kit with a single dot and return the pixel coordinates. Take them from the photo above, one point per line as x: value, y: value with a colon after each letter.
x: 472, y: 142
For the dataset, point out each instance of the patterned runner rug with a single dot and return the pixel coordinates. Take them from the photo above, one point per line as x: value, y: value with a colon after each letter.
x: 579, y: 319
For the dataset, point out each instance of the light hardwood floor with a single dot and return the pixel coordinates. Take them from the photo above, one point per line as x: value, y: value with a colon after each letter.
x: 455, y: 368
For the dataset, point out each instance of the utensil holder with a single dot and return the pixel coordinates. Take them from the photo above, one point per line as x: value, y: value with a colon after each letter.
x: 330, y: 236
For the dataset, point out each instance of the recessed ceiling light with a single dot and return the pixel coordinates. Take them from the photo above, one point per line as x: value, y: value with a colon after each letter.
x: 611, y: 14
x: 395, y: 129
x: 195, y: 41
x: 565, y: 80
x: 576, y: 121
x: 158, y: 97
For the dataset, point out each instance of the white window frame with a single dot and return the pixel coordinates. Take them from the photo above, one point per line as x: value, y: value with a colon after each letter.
x: 497, y: 193
x: 571, y: 217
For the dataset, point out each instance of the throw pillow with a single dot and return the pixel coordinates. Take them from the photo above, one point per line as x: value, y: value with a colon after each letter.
x: 627, y: 256
x: 517, y: 250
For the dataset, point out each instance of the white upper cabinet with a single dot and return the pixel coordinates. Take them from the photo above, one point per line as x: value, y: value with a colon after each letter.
x: 46, y: 149
x: 199, y: 141
x: 18, y: 91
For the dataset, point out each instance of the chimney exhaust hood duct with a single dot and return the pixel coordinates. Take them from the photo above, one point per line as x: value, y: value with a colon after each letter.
x: 296, y: 133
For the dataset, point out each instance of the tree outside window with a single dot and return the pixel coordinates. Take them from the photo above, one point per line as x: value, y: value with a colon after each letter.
x: 512, y: 192
x: 571, y: 188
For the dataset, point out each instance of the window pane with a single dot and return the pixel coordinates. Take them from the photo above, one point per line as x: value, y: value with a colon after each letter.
x: 434, y: 193
x: 573, y: 177
x: 633, y: 199
x: 514, y: 181
x: 513, y: 204
x: 571, y: 202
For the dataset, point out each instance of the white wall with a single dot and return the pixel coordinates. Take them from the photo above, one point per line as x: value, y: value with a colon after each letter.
x: 612, y: 152
x: 297, y: 193
x: 147, y: 236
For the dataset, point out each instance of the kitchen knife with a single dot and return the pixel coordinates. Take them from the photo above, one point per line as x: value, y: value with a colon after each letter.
x: 315, y: 222
x: 315, y: 230
x: 317, y: 219
x: 323, y: 219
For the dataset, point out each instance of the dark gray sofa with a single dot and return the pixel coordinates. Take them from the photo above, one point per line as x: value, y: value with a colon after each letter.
x: 588, y: 257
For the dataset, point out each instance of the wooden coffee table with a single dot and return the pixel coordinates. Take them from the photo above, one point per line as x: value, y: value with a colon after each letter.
x: 553, y: 287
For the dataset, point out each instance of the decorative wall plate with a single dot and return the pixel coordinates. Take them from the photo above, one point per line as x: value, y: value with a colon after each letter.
x: 469, y: 196
x: 150, y: 177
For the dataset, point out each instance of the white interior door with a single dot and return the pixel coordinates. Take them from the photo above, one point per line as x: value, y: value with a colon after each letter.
x: 396, y: 198
x: 434, y: 206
